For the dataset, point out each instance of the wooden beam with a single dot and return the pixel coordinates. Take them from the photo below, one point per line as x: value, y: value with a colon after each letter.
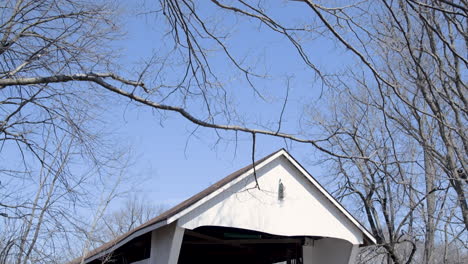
x: 165, y: 244
x: 207, y: 239
x: 247, y: 241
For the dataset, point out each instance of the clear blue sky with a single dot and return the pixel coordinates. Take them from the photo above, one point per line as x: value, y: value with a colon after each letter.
x: 174, y: 165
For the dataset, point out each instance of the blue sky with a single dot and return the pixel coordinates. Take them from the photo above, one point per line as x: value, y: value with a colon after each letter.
x: 172, y: 164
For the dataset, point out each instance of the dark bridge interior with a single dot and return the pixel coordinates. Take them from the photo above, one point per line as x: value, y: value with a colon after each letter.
x: 213, y: 244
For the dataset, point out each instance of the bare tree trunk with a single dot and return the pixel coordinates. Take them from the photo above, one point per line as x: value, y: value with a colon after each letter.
x: 429, y: 235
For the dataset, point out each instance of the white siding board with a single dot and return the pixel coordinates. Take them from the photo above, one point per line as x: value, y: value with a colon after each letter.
x: 329, y: 251
x: 305, y: 211
x: 165, y: 244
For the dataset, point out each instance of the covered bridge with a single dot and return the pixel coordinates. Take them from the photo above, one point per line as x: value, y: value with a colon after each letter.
x: 291, y: 218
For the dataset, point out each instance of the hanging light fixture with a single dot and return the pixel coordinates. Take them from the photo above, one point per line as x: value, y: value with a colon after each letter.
x: 280, y: 191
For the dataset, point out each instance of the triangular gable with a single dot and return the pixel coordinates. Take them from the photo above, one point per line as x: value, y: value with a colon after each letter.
x: 306, y: 210
x: 186, y: 210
